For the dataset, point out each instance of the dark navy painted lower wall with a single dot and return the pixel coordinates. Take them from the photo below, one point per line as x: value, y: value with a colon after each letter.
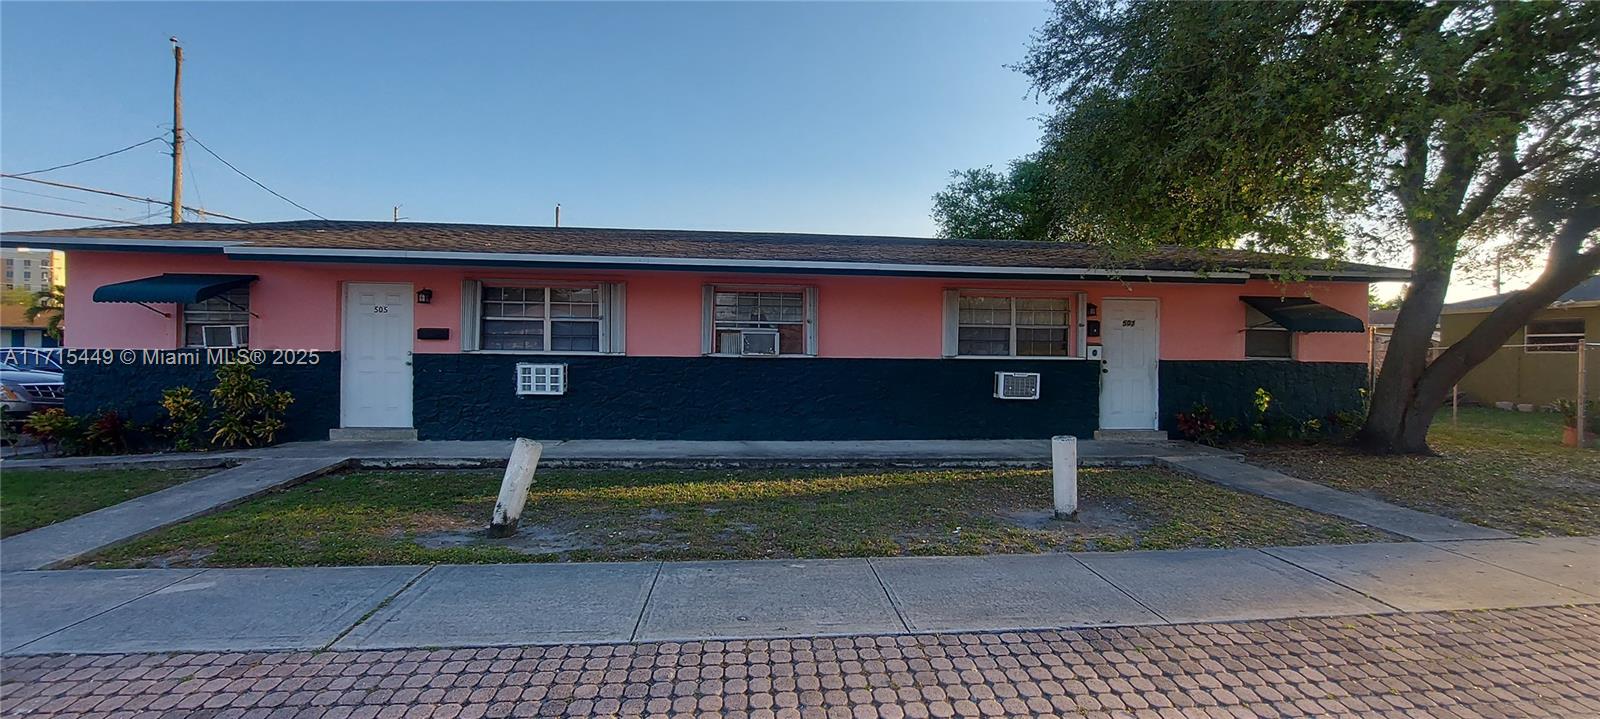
x: 134, y: 388
x: 1303, y: 390
x: 472, y: 396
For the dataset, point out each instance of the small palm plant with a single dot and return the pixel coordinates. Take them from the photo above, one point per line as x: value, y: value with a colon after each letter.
x: 48, y: 302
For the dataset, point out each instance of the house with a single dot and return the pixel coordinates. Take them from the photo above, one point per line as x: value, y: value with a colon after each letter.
x: 16, y: 330
x: 1540, y: 362
x: 450, y: 331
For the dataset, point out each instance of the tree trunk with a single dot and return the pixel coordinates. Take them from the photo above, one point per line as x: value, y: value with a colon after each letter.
x: 1407, y: 356
x: 1404, y: 403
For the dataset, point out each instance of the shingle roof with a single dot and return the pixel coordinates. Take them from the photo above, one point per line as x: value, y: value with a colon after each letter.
x: 692, y: 244
x: 1586, y: 291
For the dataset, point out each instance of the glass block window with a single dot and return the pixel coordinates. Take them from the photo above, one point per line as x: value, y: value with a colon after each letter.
x: 1554, y: 335
x: 1014, y: 326
x: 541, y: 319
x: 541, y: 378
x: 1265, y: 339
x: 221, y: 321
x: 760, y: 314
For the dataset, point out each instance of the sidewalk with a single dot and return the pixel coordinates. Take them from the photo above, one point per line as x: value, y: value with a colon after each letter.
x: 116, y: 611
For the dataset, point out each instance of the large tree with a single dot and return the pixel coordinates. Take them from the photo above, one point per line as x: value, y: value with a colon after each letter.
x: 1321, y: 130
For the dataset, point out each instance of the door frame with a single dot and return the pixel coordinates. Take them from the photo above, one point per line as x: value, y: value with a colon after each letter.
x: 1155, y: 379
x: 344, y: 345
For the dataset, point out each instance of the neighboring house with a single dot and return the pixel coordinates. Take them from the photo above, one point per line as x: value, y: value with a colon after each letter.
x: 30, y: 269
x: 17, y: 331
x: 1546, y: 369
x: 482, y: 332
x: 1380, y: 327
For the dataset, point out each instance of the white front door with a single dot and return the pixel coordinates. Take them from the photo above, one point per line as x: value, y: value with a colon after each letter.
x: 1129, y: 335
x: 375, y: 386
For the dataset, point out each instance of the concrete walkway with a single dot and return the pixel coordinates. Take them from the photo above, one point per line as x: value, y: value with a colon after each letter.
x: 115, y: 611
x: 1409, y: 523
x: 69, y: 539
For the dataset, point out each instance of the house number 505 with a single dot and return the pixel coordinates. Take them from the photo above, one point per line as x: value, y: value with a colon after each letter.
x: 380, y: 309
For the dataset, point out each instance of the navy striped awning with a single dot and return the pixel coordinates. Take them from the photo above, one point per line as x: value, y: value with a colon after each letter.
x: 172, y: 287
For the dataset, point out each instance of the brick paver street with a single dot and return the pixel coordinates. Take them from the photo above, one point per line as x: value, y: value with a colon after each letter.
x: 1521, y: 662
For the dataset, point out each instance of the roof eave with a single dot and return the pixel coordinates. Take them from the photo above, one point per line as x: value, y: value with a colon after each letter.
x: 245, y: 250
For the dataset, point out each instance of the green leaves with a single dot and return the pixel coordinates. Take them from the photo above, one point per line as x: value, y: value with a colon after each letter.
x: 249, y: 414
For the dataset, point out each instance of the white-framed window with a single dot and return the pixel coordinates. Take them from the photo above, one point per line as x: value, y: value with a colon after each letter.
x: 541, y: 378
x: 221, y: 321
x: 985, y: 323
x: 1264, y: 338
x: 1563, y: 335
x: 760, y: 321
x: 530, y: 317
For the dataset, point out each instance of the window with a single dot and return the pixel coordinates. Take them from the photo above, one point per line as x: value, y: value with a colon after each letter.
x: 222, y: 321
x: 541, y: 319
x: 510, y: 316
x: 760, y: 321
x: 1265, y: 339
x: 541, y: 379
x: 999, y: 325
x: 1554, y: 335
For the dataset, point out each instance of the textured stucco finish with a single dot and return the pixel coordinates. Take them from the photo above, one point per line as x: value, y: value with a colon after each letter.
x: 1302, y: 390
x: 467, y: 396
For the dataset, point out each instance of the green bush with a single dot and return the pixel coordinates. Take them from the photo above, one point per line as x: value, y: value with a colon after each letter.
x: 185, y: 414
x: 249, y: 413
x: 54, y: 427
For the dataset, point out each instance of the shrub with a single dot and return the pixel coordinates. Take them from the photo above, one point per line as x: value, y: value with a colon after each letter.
x: 185, y: 413
x: 1200, y: 425
x: 249, y: 413
x: 1569, y: 413
x: 107, y: 433
x: 54, y: 427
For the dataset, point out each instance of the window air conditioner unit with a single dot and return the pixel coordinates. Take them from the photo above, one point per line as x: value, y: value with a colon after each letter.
x: 760, y: 343
x: 223, y: 335
x: 1016, y: 385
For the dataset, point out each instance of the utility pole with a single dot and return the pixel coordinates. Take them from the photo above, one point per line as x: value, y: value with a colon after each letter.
x: 177, y: 131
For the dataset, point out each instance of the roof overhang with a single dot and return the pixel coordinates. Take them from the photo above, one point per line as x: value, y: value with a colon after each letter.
x: 246, y: 251
x: 1302, y: 314
x: 171, y: 288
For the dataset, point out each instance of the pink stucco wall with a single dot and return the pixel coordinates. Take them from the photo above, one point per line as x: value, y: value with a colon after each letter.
x: 894, y: 317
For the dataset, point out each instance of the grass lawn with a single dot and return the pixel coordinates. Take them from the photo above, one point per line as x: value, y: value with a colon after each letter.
x: 1506, y: 470
x: 32, y: 498
x: 423, y: 517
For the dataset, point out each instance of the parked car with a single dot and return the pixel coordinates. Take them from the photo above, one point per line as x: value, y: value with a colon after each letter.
x: 24, y: 391
x: 33, y: 359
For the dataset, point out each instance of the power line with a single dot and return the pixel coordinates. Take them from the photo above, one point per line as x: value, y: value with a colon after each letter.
x: 41, y: 194
x: 212, y: 153
x: 81, y: 188
x: 92, y: 159
x: 61, y: 214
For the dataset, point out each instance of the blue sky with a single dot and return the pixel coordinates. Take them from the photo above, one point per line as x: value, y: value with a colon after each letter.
x: 826, y: 117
